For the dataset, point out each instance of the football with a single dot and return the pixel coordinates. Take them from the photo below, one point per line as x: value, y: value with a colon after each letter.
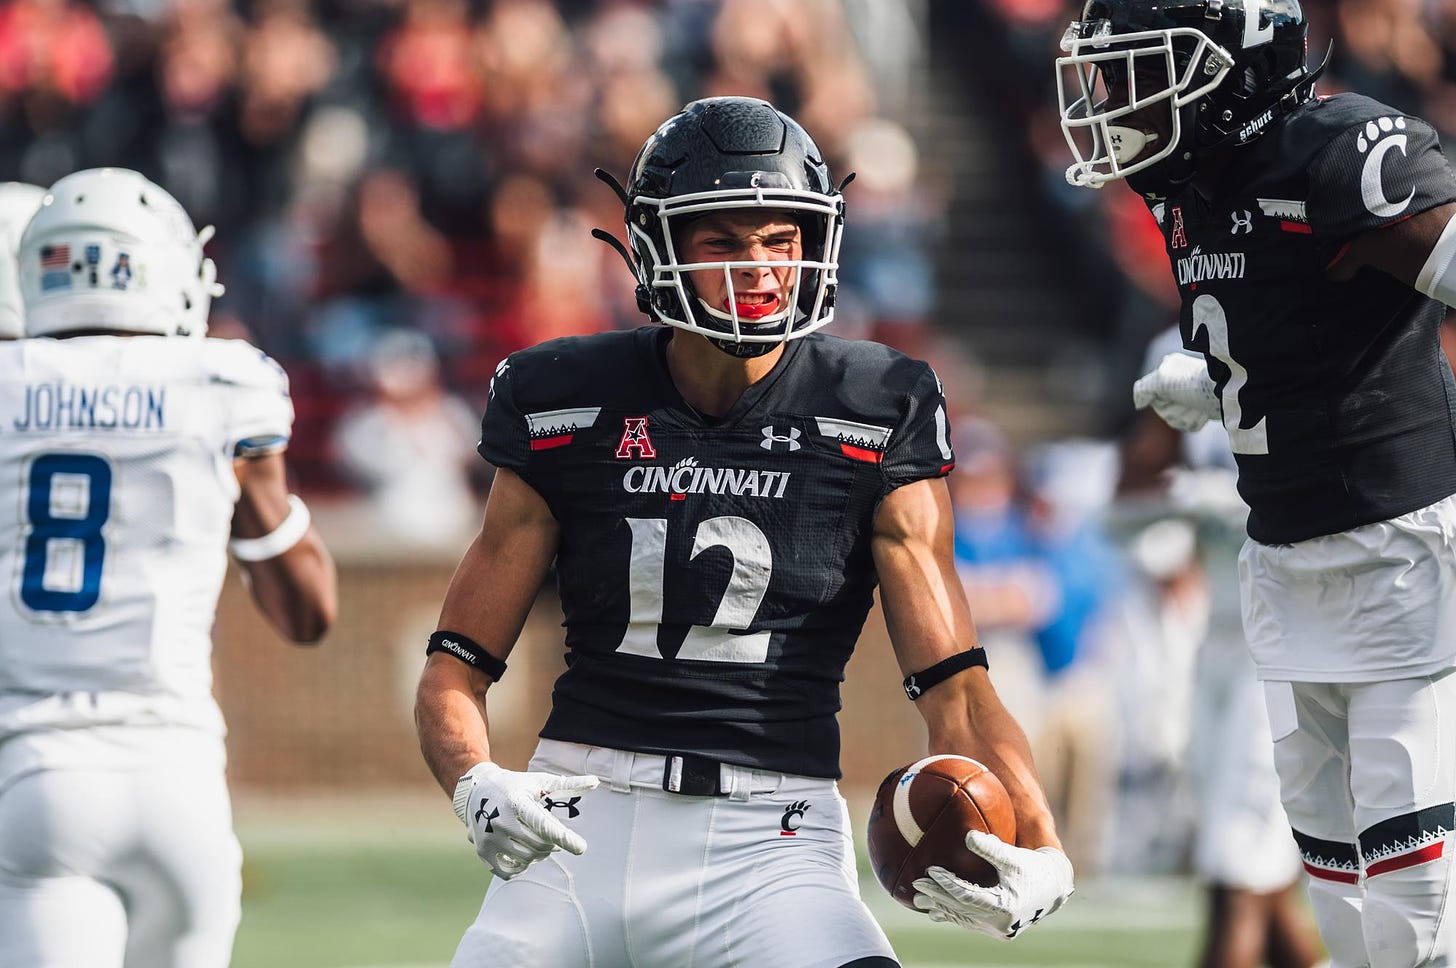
x: 920, y: 818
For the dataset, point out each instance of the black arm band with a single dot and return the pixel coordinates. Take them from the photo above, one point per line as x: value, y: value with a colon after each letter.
x: 921, y: 682
x: 468, y: 651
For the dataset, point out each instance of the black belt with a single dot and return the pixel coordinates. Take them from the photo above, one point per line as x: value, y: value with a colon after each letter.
x: 693, y: 776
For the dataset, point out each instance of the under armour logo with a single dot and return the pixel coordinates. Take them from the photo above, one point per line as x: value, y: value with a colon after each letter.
x: 771, y: 438
x: 1017, y: 926
x: 488, y: 816
x: 793, y: 818
x: 912, y: 688
x: 1246, y: 223
x: 571, y: 811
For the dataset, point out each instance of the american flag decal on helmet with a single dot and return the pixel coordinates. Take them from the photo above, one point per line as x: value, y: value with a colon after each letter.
x: 555, y: 428
x: 864, y: 442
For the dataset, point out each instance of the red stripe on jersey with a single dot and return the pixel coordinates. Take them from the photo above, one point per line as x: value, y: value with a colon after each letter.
x: 947, y: 468
x: 1299, y: 227
x: 862, y: 453
x: 546, y: 443
x: 1324, y: 874
x: 1415, y: 858
x: 678, y: 497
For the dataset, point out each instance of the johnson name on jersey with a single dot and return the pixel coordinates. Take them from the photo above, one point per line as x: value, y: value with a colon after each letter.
x: 714, y: 574
x: 116, y: 469
x: 1336, y: 397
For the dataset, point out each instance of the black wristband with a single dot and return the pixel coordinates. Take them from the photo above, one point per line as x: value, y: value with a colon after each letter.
x: 468, y: 651
x: 917, y: 684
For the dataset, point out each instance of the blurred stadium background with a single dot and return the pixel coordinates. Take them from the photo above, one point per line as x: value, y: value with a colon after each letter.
x: 403, y: 191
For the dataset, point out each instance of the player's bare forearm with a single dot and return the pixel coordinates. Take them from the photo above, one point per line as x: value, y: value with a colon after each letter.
x: 450, y: 718
x: 298, y: 590
x: 965, y: 715
x: 928, y: 620
x: 490, y: 595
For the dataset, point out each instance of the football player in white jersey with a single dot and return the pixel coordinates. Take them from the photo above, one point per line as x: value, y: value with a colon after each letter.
x: 134, y: 453
x: 18, y: 202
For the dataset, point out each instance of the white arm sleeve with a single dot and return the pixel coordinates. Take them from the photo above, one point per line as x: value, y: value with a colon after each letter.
x: 1438, y: 278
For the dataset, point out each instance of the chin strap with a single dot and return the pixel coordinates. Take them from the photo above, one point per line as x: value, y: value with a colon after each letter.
x: 743, y: 351
x: 1303, y: 90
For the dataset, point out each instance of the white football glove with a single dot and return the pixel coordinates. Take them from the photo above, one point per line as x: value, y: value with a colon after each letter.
x: 1180, y: 391
x: 1034, y: 883
x: 507, y: 821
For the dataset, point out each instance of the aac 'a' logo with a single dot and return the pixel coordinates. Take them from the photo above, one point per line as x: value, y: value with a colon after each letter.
x: 1178, y: 238
x: 635, y: 442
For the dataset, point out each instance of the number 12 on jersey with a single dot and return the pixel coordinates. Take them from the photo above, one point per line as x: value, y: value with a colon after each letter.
x: 752, y: 569
x: 69, y: 503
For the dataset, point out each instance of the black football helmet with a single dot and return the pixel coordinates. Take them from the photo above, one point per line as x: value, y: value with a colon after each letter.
x: 1216, y: 72
x: 732, y: 153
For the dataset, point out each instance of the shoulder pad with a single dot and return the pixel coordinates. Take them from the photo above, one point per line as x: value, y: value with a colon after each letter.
x: 240, y: 363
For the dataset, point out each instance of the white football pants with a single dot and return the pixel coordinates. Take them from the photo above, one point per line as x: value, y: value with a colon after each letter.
x: 1242, y: 840
x: 764, y: 876
x: 108, y: 866
x: 1368, y: 777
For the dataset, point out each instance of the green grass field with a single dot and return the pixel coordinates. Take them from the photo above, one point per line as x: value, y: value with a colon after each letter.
x: 393, y: 886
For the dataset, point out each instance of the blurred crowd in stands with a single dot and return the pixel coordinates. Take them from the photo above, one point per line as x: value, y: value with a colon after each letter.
x: 403, y: 192
x: 1400, y: 52
x: 425, y: 166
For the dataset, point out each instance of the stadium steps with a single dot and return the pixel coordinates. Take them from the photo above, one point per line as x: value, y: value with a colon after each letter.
x: 1002, y: 296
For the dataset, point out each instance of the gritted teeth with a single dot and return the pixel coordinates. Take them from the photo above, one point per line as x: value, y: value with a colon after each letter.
x: 753, y: 305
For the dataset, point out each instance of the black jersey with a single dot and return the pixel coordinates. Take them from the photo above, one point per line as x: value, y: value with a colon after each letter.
x: 714, y: 575
x: 1338, y: 401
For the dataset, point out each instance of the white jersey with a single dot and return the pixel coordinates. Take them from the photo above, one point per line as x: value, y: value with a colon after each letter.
x: 116, y: 501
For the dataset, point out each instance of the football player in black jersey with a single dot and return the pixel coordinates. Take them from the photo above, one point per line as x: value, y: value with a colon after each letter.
x: 720, y: 495
x: 1312, y: 241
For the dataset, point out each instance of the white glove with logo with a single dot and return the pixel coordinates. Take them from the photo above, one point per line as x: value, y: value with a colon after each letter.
x: 506, y: 818
x: 1034, y: 883
x: 1180, y: 391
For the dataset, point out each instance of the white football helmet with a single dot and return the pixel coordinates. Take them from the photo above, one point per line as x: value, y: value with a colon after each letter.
x: 109, y: 249
x: 18, y: 202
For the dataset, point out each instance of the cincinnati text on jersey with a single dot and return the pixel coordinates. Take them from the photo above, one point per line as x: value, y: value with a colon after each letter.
x: 69, y: 406
x: 686, y: 477
x: 1196, y: 267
